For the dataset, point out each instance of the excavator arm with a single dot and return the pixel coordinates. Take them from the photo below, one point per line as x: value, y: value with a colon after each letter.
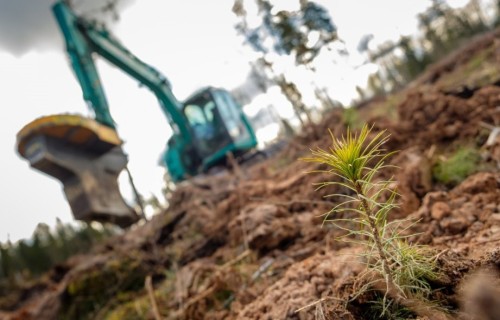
x: 83, y: 39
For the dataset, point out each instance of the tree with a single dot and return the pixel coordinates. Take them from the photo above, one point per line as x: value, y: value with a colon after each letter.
x: 300, y: 34
x: 290, y: 32
x: 31, y: 257
x: 442, y: 30
x: 294, y: 30
x: 376, y: 85
x: 6, y: 261
x: 445, y: 28
x: 496, y: 23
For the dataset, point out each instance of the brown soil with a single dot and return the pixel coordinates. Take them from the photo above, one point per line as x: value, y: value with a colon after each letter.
x: 250, y: 244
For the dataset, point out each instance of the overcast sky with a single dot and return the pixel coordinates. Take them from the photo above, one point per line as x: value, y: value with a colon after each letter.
x: 192, y: 42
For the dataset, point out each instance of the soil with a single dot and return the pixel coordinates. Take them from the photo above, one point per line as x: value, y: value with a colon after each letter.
x: 251, y: 243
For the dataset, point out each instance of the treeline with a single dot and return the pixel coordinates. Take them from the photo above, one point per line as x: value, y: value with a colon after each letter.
x: 441, y: 30
x: 26, y: 259
x: 283, y: 40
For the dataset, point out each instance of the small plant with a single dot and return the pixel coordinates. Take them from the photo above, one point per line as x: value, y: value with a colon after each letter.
x: 455, y: 169
x: 403, y: 268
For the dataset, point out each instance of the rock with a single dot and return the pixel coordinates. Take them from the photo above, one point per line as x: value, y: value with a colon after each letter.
x: 454, y: 225
x: 480, y: 182
x: 415, y: 178
x: 479, y: 294
x: 476, y: 226
x: 263, y: 227
x: 469, y: 212
x: 458, y: 202
x: 490, y: 207
x: 439, y: 210
x: 451, y: 131
x: 424, y: 212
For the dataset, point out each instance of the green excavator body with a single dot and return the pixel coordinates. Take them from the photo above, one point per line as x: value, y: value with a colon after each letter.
x: 206, y: 127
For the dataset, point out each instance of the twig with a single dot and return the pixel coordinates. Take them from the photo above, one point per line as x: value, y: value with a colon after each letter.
x: 239, y: 175
x: 287, y: 203
x: 195, y: 299
x: 151, y: 294
x: 243, y: 226
x: 137, y: 195
x: 495, y: 132
x: 420, y: 307
x: 243, y: 255
x: 431, y: 151
x: 262, y: 269
x: 486, y: 125
x: 319, y: 313
x: 316, y: 302
x: 436, y: 258
x: 234, y: 164
x: 212, y: 288
x: 486, y: 241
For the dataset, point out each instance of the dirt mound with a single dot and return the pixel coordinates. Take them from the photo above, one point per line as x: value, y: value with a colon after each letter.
x: 446, y: 117
x: 469, y: 214
x: 250, y: 244
x: 482, y: 45
x: 318, y: 279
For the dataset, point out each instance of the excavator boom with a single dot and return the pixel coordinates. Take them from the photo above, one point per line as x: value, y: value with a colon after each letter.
x: 83, y: 39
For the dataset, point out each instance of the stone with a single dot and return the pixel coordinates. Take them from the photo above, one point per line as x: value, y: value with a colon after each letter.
x: 439, y: 210
x: 454, y: 225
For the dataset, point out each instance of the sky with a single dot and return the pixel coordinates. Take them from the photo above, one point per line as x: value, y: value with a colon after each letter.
x: 192, y: 42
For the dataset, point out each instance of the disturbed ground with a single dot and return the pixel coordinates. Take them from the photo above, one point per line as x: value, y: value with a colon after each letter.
x: 250, y: 244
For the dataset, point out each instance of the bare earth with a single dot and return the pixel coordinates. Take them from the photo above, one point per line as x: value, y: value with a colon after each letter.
x: 251, y: 245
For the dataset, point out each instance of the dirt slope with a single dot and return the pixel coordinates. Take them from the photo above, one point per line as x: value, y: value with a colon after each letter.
x: 251, y: 245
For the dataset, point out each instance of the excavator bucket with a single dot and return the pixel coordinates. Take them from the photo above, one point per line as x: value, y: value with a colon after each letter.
x: 87, y: 158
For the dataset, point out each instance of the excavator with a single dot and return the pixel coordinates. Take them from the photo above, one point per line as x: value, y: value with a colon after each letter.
x: 86, y: 154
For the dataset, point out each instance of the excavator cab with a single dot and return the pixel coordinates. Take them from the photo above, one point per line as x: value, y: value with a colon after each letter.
x: 219, y: 125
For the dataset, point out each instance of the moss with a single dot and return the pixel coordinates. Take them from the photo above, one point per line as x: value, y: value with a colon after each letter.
x: 223, y: 295
x: 454, y: 169
x: 394, y: 312
x: 137, y: 309
x: 476, y: 61
x: 388, y: 108
x: 99, y: 289
x: 481, y: 70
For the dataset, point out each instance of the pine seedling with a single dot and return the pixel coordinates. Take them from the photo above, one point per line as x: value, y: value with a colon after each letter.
x: 356, y: 160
